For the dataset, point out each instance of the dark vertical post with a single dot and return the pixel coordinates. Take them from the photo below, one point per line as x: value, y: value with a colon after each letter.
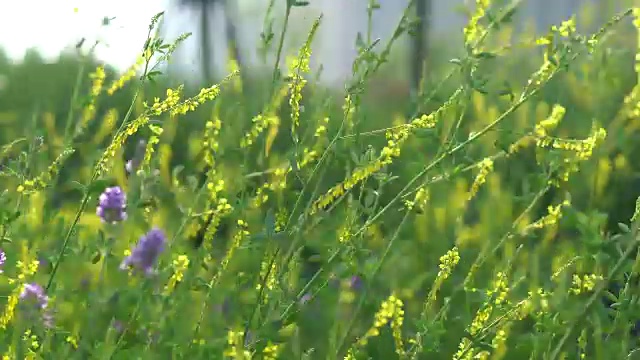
x: 420, y: 44
x: 205, y: 41
x: 231, y: 33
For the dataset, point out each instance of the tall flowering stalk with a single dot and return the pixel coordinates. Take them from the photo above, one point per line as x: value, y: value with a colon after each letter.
x: 27, y: 269
x: 300, y: 66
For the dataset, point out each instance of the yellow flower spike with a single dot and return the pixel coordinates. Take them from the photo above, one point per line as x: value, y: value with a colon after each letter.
x: 73, y: 340
x: 300, y: 66
x: 41, y: 181
x: 154, y: 139
x: 27, y: 268
x: 448, y: 262
x: 390, y: 313
x: 271, y: 351
x: 89, y: 111
x: 126, y: 77
x: 236, y: 349
x: 473, y: 30
x: 171, y: 105
x: 180, y: 266
x: 499, y: 292
x: 486, y: 166
x: 584, y: 284
x: 396, y: 137
x: 107, y: 125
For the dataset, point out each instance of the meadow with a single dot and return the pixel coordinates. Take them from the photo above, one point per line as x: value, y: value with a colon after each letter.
x: 492, y: 215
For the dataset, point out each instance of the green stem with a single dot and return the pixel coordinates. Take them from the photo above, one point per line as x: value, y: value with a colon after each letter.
x: 85, y: 201
x: 276, y: 66
x: 596, y: 296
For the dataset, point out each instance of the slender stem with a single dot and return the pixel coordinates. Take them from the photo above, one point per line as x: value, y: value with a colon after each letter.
x: 96, y: 172
x: 84, y: 202
x: 74, y: 99
x: 276, y: 66
x: 366, y: 289
x: 600, y: 288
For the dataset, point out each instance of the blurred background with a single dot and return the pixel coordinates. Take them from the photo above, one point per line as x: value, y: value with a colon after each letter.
x: 50, y: 27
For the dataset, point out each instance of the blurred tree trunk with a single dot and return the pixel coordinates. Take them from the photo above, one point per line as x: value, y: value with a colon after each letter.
x: 420, y: 44
x: 205, y: 41
x: 231, y: 33
x: 205, y: 9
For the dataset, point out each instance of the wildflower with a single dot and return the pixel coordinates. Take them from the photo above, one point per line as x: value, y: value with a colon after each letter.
x: 305, y: 298
x: 146, y: 252
x: 41, y: 181
x: 180, y: 265
x: 112, y: 206
x: 3, y: 258
x: 117, y: 326
x: 34, y: 292
x: 355, y: 283
x: 73, y: 340
x: 33, y: 299
x: 390, y: 313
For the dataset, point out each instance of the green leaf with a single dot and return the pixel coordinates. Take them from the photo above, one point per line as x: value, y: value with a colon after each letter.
x: 370, y: 198
x: 13, y: 217
x: 485, y: 55
x: 152, y: 74
x: 200, y: 285
x: 507, y: 17
x: 96, y: 257
x: 624, y: 227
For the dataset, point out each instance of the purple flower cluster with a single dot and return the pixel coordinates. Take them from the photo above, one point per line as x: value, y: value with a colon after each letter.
x: 145, y: 253
x: 35, y: 293
x: 33, y: 298
x: 112, y: 209
x: 113, y: 205
x: 3, y: 259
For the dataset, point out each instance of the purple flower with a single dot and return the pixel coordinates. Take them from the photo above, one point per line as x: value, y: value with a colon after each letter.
x: 305, y: 298
x: 355, y: 283
x: 3, y: 259
x: 34, y: 292
x: 33, y: 298
x: 113, y: 205
x: 146, y: 252
x: 117, y: 326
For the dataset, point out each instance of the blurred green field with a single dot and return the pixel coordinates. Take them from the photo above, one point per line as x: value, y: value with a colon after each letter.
x: 485, y: 218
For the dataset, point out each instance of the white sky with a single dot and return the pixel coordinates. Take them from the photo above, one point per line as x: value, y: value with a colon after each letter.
x: 52, y: 25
